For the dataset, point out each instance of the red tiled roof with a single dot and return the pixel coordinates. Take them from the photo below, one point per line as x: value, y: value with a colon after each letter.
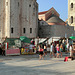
x: 42, y: 12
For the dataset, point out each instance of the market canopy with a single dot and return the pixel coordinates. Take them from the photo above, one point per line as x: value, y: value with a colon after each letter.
x: 25, y: 39
x: 72, y: 37
x: 44, y: 41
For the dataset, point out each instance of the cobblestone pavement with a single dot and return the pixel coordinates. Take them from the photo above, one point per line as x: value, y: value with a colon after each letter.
x: 30, y: 65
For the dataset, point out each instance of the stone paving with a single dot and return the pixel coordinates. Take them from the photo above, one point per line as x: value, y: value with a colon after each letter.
x: 30, y: 65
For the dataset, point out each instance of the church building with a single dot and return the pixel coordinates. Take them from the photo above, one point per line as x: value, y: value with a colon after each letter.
x: 51, y: 25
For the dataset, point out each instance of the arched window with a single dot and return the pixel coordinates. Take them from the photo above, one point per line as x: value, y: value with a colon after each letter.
x: 71, y: 19
x: 71, y: 5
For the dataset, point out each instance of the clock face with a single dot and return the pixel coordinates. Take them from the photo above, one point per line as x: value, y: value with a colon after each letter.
x: 17, y: 43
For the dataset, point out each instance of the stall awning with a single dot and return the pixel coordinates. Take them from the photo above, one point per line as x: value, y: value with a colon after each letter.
x: 72, y: 37
x: 25, y: 39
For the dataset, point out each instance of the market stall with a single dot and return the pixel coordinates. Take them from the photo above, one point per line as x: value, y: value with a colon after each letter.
x: 73, y: 45
x: 26, y: 44
x: 11, y: 46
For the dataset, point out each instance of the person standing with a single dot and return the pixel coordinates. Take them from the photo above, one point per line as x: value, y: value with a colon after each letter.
x: 3, y: 49
x: 64, y: 46
x: 0, y: 49
x: 51, y: 49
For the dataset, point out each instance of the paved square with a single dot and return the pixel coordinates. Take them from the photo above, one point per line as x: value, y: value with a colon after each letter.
x: 30, y: 65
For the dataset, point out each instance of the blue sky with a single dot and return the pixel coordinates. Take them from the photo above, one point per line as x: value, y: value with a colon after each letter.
x: 61, y: 6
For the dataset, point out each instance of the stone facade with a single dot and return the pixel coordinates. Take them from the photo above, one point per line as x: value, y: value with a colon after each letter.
x: 55, y: 31
x: 71, y: 13
x: 18, y: 18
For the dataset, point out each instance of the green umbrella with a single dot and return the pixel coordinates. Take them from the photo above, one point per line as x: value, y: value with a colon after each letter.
x: 25, y: 39
x: 72, y: 37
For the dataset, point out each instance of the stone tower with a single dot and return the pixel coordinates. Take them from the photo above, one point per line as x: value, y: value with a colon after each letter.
x: 18, y: 18
x: 71, y: 13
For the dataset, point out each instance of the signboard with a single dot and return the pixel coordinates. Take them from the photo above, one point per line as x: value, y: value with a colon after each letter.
x: 13, y: 42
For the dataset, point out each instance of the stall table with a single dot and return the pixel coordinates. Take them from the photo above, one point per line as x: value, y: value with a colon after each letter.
x: 12, y: 52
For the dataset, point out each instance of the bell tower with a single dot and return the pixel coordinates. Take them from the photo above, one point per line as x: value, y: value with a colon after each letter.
x: 71, y: 13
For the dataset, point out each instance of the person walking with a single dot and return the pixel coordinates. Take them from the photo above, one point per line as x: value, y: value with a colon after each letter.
x: 61, y: 49
x: 58, y: 50
x: 31, y: 48
x: 45, y: 50
x: 67, y: 46
x: 43, y: 45
x: 52, y: 50
x: 70, y: 49
x: 40, y: 53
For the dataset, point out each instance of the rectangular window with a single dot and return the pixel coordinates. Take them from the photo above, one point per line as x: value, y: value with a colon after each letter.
x: 11, y: 30
x: 71, y: 19
x: 24, y: 30
x: 30, y: 30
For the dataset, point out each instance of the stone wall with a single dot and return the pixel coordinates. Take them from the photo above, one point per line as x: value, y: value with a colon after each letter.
x: 42, y: 22
x: 44, y: 31
x: 61, y: 31
x: 55, y: 31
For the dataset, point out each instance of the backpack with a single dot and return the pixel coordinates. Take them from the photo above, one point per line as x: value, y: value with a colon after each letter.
x: 66, y: 59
